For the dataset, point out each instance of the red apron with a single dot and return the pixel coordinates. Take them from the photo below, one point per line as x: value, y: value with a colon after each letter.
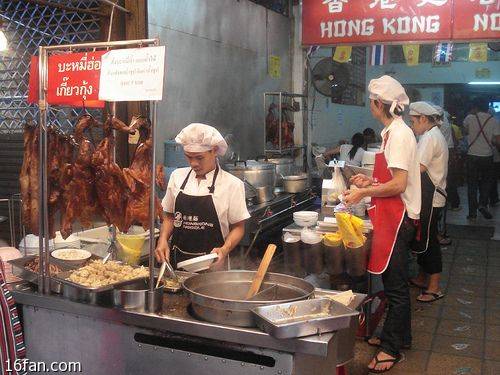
x: 386, y: 215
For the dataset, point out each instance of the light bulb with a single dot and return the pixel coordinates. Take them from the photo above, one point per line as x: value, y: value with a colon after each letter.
x: 3, y: 41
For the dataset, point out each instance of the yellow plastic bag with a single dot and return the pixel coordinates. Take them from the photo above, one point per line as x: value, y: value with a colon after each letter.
x: 351, y: 229
x: 130, y: 248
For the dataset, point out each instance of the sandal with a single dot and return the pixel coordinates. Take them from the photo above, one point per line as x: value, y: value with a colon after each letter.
x: 435, y: 296
x: 375, y: 341
x: 394, y: 361
x: 415, y: 285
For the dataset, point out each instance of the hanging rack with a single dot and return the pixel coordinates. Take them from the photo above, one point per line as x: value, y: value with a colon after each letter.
x: 43, y: 217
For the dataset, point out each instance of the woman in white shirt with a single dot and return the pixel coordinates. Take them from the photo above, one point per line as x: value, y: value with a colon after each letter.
x: 432, y: 152
x: 395, y: 194
x: 205, y: 205
x: 352, y: 154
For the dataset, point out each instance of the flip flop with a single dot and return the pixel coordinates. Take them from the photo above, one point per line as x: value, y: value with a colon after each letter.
x: 415, y: 285
x: 435, y: 296
x: 372, y: 343
x: 394, y: 361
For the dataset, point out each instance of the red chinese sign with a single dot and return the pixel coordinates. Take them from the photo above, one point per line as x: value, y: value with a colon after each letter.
x: 73, y: 79
x: 476, y: 19
x: 327, y: 22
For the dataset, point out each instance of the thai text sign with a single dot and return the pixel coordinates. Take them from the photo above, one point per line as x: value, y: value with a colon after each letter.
x: 73, y: 79
x: 379, y: 21
x: 132, y: 74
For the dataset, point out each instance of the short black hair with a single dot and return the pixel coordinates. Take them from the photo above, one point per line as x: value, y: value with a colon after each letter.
x: 387, y: 110
x: 368, y: 131
x: 480, y: 103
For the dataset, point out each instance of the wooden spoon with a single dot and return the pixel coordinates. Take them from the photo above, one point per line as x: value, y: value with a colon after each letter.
x: 261, y: 272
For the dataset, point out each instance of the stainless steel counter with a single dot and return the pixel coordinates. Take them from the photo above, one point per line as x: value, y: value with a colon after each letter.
x: 53, y: 325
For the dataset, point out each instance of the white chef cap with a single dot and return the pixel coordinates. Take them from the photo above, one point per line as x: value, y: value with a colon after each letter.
x: 424, y: 108
x: 440, y: 110
x: 389, y: 91
x: 200, y: 138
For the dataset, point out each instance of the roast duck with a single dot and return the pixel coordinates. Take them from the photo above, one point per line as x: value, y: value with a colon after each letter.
x: 272, y: 127
x: 84, y: 181
x: 138, y: 178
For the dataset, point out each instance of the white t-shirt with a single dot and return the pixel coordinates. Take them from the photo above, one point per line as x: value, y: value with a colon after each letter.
x: 480, y: 147
x: 401, y: 152
x: 229, y: 195
x: 432, y: 151
x: 356, y: 160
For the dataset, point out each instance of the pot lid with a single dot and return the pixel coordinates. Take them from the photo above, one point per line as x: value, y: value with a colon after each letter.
x: 281, y: 160
x: 302, y: 176
x: 250, y: 165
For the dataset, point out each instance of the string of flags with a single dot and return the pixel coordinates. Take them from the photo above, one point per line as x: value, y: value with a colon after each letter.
x: 442, y: 54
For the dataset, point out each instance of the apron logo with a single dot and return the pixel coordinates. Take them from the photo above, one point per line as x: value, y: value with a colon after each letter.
x: 178, y: 219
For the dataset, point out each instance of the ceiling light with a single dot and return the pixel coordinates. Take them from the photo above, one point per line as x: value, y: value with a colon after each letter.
x: 484, y: 83
x: 3, y: 41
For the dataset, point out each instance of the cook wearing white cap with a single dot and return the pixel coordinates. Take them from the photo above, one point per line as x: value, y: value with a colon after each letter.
x: 205, y: 206
x: 395, y: 194
x: 432, y: 153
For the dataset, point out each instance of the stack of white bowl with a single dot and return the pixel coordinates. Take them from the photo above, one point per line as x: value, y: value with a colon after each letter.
x: 305, y: 218
x: 29, y: 245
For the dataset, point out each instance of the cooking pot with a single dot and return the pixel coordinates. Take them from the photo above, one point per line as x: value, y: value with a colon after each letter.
x: 256, y: 173
x: 284, y: 167
x: 295, y: 183
x: 259, y: 194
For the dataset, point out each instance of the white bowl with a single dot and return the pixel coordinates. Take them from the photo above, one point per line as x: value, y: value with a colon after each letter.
x: 71, y: 256
x: 198, y: 264
x: 305, y: 218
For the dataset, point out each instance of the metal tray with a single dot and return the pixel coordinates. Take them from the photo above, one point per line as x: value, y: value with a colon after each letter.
x: 346, y: 337
x: 19, y: 269
x: 303, y: 318
x: 102, y: 295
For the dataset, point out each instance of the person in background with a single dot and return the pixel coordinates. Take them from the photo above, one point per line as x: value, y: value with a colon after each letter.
x: 432, y: 152
x: 370, y: 137
x: 483, y: 133
x: 352, y: 153
x: 395, y: 193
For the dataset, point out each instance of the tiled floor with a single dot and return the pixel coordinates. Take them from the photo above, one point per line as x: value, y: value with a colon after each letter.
x: 459, y: 334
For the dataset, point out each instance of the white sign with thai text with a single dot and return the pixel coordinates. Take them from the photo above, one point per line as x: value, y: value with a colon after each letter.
x: 133, y: 74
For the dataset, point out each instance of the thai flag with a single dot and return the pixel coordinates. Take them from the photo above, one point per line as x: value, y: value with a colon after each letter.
x: 443, y: 53
x: 377, y: 57
x: 311, y: 50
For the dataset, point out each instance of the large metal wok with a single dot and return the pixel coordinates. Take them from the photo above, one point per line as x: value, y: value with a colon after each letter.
x: 219, y: 297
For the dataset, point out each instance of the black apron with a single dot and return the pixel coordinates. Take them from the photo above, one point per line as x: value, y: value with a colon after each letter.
x: 420, y: 244
x: 197, y: 228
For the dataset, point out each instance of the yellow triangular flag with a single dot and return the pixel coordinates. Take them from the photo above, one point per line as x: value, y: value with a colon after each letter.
x: 342, y: 54
x: 411, y: 52
x: 478, y: 52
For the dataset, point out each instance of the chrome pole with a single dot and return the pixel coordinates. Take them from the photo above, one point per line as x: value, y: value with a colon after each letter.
x: 43, y: 242
x: 152, y: 199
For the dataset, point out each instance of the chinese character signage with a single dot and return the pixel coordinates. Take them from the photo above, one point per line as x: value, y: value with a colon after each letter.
x: 326, y: 22
x: 73, y: 79
x: 476, y: 19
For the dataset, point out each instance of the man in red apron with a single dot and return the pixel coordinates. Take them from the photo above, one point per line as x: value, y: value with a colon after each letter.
x: 432, y: 152
x: 205, y: 206
x: 483, y: 133
x: 395, y: 195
